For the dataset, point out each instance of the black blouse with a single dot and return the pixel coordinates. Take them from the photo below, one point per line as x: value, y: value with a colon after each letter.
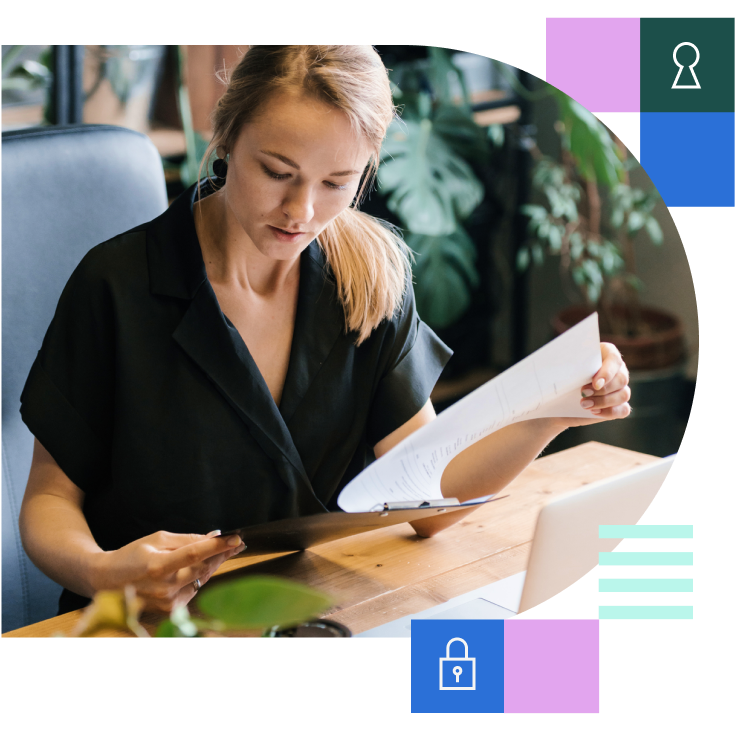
x: 148, y: 399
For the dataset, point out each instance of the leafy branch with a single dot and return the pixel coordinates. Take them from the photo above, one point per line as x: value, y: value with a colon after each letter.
x: 590, y: 215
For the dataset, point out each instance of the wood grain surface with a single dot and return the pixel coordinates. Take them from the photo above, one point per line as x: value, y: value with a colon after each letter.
x: 382, y: 575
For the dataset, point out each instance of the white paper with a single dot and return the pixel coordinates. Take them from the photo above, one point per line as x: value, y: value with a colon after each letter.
x: 546, y: 384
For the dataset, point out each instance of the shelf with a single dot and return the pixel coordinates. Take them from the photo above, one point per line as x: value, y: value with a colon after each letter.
x: 498, y: 116
x: 16, y: 117
x: 170, y: 142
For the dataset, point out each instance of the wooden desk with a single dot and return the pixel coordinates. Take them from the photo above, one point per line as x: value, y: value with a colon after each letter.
x: 383, y: 575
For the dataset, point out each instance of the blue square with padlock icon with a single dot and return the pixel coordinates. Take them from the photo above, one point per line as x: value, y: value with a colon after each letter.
x: 457, y: 666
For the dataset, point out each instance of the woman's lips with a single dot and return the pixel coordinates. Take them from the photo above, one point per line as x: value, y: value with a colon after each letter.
x: 285, y: 235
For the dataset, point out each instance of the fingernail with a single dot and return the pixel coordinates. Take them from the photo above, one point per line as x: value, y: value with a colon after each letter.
x: 587, y: 404
x: 234, y: 541
x: 599, y: 383
x: 213, y: 534
x: 596, y: 411
x: 587, y: 392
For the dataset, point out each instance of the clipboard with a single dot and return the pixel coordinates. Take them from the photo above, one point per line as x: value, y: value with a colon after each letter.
x: 298, y: 534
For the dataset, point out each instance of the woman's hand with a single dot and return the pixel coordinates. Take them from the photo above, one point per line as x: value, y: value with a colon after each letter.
x: 607, y: 395
x: 163, y: 566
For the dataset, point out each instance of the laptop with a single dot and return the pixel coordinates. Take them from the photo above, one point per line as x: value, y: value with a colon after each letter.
x: 565, y: 547
x: 566, y: 543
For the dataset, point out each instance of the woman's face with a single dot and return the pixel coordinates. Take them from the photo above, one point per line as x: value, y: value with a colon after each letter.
x: 292, y: 170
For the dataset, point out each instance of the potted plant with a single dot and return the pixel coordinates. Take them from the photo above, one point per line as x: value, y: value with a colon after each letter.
x: 277, y: 607
x: 586, y: 214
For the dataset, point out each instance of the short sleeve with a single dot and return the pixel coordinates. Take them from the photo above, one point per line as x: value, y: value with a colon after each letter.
x: 417, y: 357
x: 68, y: 396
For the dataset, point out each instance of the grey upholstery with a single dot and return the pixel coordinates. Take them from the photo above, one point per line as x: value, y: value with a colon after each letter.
x: 65, y: 189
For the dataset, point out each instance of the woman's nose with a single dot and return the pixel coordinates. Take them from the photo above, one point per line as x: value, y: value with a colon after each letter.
x: 298, y: 206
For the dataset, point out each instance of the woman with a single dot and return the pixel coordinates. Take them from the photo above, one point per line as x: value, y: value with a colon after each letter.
x: 235, y: 360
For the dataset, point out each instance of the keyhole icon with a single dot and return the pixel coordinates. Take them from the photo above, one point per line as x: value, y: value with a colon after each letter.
x: 457, y: 671
x: 691, y: 67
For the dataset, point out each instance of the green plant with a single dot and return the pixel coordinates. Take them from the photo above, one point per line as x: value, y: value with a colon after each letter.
x: 429, y: 183
x: 589, y: 216
x: 249, y: 603
x: 29, y: 76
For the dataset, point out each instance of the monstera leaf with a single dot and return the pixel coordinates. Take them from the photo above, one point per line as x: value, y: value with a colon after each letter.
x: 455, y: 125
x: 429, y: 186
x: 445, y: 274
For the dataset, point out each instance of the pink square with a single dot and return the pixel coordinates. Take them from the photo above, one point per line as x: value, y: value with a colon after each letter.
x: 550, y: 666
x: 595, y: 61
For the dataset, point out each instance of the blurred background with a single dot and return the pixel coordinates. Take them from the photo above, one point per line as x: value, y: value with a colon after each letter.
x: 524, y: 211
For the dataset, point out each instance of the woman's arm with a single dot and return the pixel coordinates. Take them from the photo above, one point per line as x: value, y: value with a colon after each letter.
x: 484, y: 468
x: 59, y: 542
x: 489, y: 465
x: 53, y: 529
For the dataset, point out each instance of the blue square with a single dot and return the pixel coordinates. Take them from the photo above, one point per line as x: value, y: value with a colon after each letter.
x: 464, y: 676
x: 689, y: 157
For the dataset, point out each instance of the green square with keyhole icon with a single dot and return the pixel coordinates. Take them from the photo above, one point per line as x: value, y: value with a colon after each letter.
x: 702, y: 79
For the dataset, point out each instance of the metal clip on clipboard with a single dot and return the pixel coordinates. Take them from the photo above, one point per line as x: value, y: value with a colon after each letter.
x: 440, y: 504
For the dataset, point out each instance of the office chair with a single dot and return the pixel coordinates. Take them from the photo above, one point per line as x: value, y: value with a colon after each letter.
x: 65, y: 189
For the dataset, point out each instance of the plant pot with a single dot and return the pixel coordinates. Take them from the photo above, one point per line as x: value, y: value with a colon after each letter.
x: 310, y: 629
x: 663, y: 346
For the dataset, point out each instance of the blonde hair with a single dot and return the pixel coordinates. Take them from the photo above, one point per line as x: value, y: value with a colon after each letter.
x: 369, y: 261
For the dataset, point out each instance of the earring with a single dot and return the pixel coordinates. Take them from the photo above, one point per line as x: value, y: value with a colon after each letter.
x: 219, y: 167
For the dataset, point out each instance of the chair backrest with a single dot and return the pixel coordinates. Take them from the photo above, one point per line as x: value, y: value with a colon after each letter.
x: 65, y: 189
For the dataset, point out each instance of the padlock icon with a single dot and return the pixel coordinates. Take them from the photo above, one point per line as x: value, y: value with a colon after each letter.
x: 457, y: 673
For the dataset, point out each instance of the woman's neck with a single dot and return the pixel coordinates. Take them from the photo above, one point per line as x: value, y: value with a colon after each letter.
x: 230, y: 256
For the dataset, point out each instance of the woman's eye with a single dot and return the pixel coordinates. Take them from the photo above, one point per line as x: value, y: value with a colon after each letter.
x: 273, y: 174
x: 280, y: 177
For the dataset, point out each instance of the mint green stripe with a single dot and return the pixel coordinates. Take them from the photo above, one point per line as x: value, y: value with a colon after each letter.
x: 651, y: 612
x: 645, y: 531
x: 638, y: 558
x: 645, y: 585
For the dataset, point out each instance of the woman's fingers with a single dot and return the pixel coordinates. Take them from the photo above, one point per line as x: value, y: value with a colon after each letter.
x: 164, y: 596
x: 618, y: 381
x: 620, y: 411
x: 617, y: 398
x: 193, y: 554
x: 611, y: 366
x: 169, y: 541
x: 206, y: 569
